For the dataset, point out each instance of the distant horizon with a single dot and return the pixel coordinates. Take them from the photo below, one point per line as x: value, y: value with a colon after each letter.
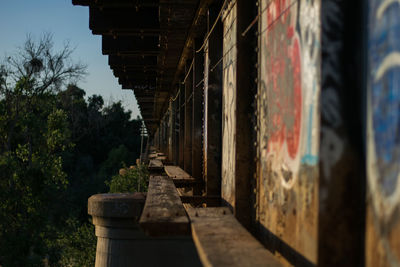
x: 66, y: 23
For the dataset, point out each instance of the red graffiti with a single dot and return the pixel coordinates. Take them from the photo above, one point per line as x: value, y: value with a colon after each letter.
x: 284, y: 78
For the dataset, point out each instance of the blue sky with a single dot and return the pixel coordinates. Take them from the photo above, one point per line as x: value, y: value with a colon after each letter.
x: 66, y: 22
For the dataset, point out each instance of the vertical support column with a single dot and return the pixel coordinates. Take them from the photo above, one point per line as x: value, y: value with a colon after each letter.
x: 237, y: 148
x: 341, y: 165
x: 181, y: 125
x: 159, y: 133
x: 213, y: 106
x: 229, y: 100
x: 154, y: 139
x: 157, y: 137
x: 162, y: 135
x: 188, y: 118
x: 244, y: 112
x: 197, y: 112
x: 166, y: 132
x: 176, y: 129
x: 171, y: 131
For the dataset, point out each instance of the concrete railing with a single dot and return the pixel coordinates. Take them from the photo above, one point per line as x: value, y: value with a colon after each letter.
x: 122, y: 243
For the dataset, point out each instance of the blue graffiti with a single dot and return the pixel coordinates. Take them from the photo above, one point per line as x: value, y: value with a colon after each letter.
x: 384, y: 81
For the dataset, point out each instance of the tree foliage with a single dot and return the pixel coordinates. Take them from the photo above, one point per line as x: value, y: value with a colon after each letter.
x: 132, y: 179
x: 56, y: 149
x: 33, y: 133
x: 37, y: 64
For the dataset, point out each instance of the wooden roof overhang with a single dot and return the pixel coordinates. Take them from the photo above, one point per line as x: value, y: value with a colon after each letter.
x: 147, y: 43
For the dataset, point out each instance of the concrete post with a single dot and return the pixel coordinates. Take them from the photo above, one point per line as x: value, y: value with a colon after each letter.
x: 116, y: 219
x: 122, y: 243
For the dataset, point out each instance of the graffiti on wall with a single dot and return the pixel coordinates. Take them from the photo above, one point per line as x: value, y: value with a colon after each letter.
x: 384, y: 101
x: 383, y: 122
x: 288, y: 120
x: 289, y: 87
x: 283, y: 92
x: 229, y: 105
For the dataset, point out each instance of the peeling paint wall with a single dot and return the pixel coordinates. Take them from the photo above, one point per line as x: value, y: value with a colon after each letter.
x: 383, y: 134
x: 288, y: 122
x: 229, y: 104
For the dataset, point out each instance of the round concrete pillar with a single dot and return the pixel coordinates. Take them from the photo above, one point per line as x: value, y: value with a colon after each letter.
x: 116, y: 217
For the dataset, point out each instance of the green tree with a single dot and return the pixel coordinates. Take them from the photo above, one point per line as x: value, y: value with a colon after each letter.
x: 132, y: 179
x: 56, y: 149
x: 33, y: 136
x: 78, y: 244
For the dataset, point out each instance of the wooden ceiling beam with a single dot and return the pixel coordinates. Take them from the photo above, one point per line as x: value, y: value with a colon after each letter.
x: 125, y: 60
x: 127, y: 32
x: 136, y: 75
x: 152, y: 120
x: 130, y: 3
x: 130, y: 45
x: 145, y: 99
x: 146, y: 104
x: 145, y: 107
x: 136, y: 69
x: 138, y: 82
x: 138, y: 87
x: 147, y: 113
x: 117, y: 3
x: 114, y: 20
x: 132, y: 30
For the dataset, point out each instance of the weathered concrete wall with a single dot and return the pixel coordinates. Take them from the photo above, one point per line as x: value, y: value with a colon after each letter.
x: 383, y: 134
x: 288, y: 122
x: 229, y: 104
